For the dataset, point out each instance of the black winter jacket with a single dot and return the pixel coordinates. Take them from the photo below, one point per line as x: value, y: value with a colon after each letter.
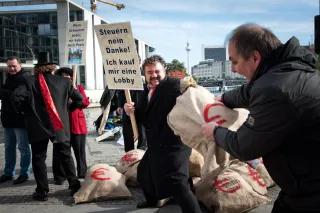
x: 28, y: 97
x: 9, y: 117
x: 283, y: 125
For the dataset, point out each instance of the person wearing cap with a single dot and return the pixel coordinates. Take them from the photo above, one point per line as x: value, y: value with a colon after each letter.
x: 78, y: 131
x: 44, y: 99
x: 15, y: 133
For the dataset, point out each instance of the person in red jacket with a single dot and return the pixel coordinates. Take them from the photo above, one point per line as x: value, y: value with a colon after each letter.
x: 78, y: 130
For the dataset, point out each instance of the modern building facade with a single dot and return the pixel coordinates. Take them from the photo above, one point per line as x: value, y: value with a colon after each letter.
x: 217, y: 53
x: 208, y: 69
x: 214, y: 69
x: 25, y: 33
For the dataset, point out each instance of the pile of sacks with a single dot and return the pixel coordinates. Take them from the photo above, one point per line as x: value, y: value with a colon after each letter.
x: 226, y: 184
x: 222, y: 183
x: 104, y: 182
x: 128, y: 164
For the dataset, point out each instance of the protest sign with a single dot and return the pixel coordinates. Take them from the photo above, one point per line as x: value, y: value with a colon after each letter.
x: 76, y: 42
x: 120, y: 57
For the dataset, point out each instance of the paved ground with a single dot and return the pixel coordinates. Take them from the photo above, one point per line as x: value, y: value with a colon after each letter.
x: 17, y: 198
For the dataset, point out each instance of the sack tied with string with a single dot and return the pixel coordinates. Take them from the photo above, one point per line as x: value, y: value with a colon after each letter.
x: 102, y: 182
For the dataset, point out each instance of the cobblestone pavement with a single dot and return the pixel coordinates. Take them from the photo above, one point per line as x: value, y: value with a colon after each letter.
x: 17, y: 198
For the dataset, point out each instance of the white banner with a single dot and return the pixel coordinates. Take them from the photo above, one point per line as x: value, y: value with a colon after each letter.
x: 76, y: 42
x: 120, y: 56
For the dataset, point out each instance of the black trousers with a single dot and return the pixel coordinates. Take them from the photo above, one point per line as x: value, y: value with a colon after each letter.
x: 39, y: 155
x: 78, y: 143
x: 128, y: 135
x: 179, y: 189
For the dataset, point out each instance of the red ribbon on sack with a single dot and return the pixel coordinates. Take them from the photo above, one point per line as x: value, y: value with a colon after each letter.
x: 48, y: 102
x: 212, y: 118
x: 100, y: 174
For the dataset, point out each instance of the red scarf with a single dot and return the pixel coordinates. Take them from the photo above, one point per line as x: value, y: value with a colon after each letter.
x: 48, y: 102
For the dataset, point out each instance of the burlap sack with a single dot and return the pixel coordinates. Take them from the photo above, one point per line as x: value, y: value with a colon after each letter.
x: 129, y: 159
x: 102, y: 182
x: 261, y: 169
x: 250, y: 175
x: 131, y: 175
x: 196, y: 162
x: 195, y: 107
x: 225, y: 191
x: 195, y: 180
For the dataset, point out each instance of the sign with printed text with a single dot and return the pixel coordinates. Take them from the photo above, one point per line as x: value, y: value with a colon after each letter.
x: 120, y: 56
x: 76, y: 42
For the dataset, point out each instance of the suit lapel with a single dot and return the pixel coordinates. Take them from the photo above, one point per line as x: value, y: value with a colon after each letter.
x: 154, y: 98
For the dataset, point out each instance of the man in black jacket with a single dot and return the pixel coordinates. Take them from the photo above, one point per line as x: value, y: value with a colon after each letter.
x: 283, y: 127
x: 15, y: 133
x: 44, y: 99
x: 164, y: 169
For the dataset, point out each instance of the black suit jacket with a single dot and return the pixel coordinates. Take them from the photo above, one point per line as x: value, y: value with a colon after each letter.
x: 29, y: 99
x: 166, y: 158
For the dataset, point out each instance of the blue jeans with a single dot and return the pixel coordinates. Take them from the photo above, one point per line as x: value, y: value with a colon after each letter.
x: 12, y: 138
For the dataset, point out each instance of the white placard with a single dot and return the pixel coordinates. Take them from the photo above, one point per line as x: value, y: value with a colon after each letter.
x: 76, y: 42
x: 120, y: 57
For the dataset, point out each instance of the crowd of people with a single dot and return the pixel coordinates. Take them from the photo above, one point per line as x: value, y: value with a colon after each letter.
x: 43, y: 104
x: 282, y: 95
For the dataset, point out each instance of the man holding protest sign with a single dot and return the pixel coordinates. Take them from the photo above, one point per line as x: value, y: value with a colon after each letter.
x: 163, y: 171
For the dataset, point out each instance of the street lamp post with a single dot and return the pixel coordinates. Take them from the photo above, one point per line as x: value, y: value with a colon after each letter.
x: 94, y: 4
x: 188, y: 50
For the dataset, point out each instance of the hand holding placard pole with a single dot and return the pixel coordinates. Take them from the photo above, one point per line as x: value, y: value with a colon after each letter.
x: 132, y: 117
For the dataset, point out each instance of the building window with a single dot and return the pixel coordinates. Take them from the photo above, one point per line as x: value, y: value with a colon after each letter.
x: 44, y: 29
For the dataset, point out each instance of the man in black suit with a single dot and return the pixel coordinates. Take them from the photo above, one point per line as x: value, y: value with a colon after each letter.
x: 44, y: 99
x: 164, y: 169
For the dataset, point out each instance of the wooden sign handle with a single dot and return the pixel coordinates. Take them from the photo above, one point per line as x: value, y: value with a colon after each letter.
x: 132, y: 117
x: 104, y: 119
x: 74, y: 77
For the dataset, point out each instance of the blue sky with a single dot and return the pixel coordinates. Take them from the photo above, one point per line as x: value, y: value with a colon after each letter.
x: 167, y: 25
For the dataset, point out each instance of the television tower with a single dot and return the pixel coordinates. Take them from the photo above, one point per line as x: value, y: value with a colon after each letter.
x: 188, y: 50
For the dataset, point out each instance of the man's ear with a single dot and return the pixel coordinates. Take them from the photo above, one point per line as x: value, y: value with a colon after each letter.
x: 256, y: 58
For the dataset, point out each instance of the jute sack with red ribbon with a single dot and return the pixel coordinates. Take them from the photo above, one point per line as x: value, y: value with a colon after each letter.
x: 131, y: 175
x: 195, y: 107
x: 129, y: 159
x: 128, y: 164
x: 225, y: 190
x: 261, y: 169
x: 196, y: 163
x: 102, y: 182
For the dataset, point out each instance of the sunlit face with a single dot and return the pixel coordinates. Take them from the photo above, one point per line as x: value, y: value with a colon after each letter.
x: 245, y: 67
x: 154, y: 73
x: 13, y: 67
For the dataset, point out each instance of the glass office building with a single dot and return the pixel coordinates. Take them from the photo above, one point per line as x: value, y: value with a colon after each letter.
x: 25, y: 34
x: 216, y: 53
x: 26, y: 31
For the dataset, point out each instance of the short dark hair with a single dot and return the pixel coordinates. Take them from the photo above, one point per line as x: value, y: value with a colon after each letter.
x: 152, y: 60
x: 14, y: 58
x: 252, y: 37
x: 65, y: 70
